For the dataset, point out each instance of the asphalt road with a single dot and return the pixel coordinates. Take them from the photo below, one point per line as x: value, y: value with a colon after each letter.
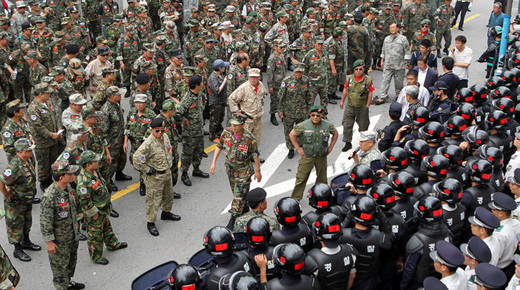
x: 202, y: 204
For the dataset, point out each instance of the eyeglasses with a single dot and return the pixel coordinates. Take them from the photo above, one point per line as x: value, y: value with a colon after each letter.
x: 425, y: 25
x: 315, y: 115
x: 359, y: 68
x: 160, y: 131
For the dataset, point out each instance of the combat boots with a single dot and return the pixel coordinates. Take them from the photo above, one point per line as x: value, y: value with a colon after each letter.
x: 142, y: 189
x: 231, y: 223
x: 20, y: 254
x: 120, y: 176
x: 185, y: 179
x: 26, y: 244
x: 273, y: 120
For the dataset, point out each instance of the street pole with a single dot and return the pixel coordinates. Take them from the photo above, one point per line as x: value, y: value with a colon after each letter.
x: 503, y: 41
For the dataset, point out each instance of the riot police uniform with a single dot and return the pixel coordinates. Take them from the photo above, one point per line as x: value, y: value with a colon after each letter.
x: 288, y: 212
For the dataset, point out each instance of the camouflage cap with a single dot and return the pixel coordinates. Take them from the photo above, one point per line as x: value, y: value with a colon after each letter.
x: 193, y: 23
x: 170, y: 25
x: 75, y: 65
x: 209, y: 38
x: 343, y: 24
x: 238, y: 119
x: 240, y: 44
x: 194, y: 10
x: 65, y: 20
x: 21, y: 4
x: 310, y: 11
x: 227, y: 24
x: 287, y: 7
x: 140, y: 98
x: 39, y: 19
x: 282, y: 13
x: 57, y: 70
x: 200, y: 58
x: 263, y: 26
x: 188, y: 71
x: 319, y: 39
x: 279, y: 42
x: 338, y: 30
x: 101, y: 39
x: 89, y: 156
x: 16, y: 103
x: 230, y: 9
x: 77, y: 99
x: 118, y: 17
x: 148, y: 65
x: 374, y: 11
x: 299, y: 67
x: 168, y: 105
x: 50, y: 81
x: 149, y: 46
x: 59, y: 35
x: 42, y: 88
x: 33, y: 2
x: 88, y: 112
x: 31, y: 54
x: 249, y: 19
x: 77, y: 129
x: 108, y: 69
x: 63, y: 167
x: 266, y: 5
x: 4, y: 20
x: 253, y: 72
x: 141, y: 8
x: 23, y: 144
x: 112, y: 91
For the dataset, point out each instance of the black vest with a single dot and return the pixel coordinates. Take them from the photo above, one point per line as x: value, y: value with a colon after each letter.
x: 424, y: 190
x: 460, y: 174
x: 454, y: 220
x: 475, y: 196
x: 404, y: 208
x: 449, y: 141
x: 415, y: 170
x: 333, y: 270
x: 298, y: 283
x: 240, y: 262
x: 301, y: 236
x: 367, y: 263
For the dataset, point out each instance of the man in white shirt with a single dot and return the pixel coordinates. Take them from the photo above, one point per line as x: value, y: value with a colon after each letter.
x: 483, y: 225
x: 423, y: 97
x: 462, y: 56
x: 514, y: 185
x: 446, y: 260
x: 475, y: 252
x: 514, y: 283
x: 514, y: 162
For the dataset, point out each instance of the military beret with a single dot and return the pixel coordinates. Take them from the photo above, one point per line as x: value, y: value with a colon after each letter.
x: 256, y: 195
x: 317, y: 108
x: 195, y: 80
x: 358, y: 62
x: 142, y: 78
x: 425, y: 21
x: 157, y: 122
x: 72, y: 48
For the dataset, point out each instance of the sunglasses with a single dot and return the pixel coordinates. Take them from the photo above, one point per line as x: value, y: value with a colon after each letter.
x: 315, y: 115
x: 425, y: 25
x: 160, y: 131
x: 359, y: 68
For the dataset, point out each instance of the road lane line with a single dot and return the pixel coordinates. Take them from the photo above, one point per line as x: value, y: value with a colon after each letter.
x: 467, y: 19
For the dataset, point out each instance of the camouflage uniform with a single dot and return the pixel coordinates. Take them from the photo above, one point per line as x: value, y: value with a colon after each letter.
x: 418, y: 37
x: 217, y: 104
x: 336, y: 53
x: 43, y: 42
x: 128, y: 52
x: 383, y: 23
x: 99, y: 98
x: 191, y: 108
x: 413, y: 15
x: 37, y: 73
x: 107, y: 12
x: 112, y: 125
x: 316, y: 69
x: 359, y: 45
x: 144, y: 29
x: 446, y: 15
x: 210, y: 55
x: 17, y: 20
x: 300, y: 47
x: 370, y: 26
x: 57, y: 53
x: 159, y: 187
x: 58, y: 223
x: 194, y: 42
x: 90, y: 10
x: 71, y: 154
x: 113, y: 34
x: 96, y: 143
x: 12, y: 131
x: 257, y: 48
x: 276, y: 70
x: 241, y: 221
x: 137, y: 127
x: 94, y: 198
x: 369, y: 156
x: 267, y: 18
x: 21, y: 85
x: 8, y: 274
x: 277, y: 31
x: 396, y: 50
x: 58, y: 11
x: 20, y: 177
x: 295, y: 100
x: 68, y: 118
x: 43, y: 121
x: 239, y: 165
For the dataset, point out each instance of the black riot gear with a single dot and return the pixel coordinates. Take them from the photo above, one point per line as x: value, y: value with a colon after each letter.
x: 258, y: 231
x: 468, y: 112
x: 184, y: 275
x: 497, y: 119
x: 455, y: 125
x: 328, y: 226
x: 402, y: 183
x: 475, y: 137
x: 449, y: 190
x: 453, y: 153
x: 480, y: 170
x: 432, y: 132
x: 505, y: 105
x: 333, y: 271
x: 289, y: 258
x: 288, y: 211
x: 494, y: 82
x: 491, y: 154
x: 420, y: 116
x: 417, y: 149
x: 437, y: 166
x: 361, y: 176
x: 364, y: 210
x: 219, y: 241
x: 240, y: 280
x: 384, y: 195
x: 428, y: 209
x: 465, y: 95
x: 480, y: 92
x: 395, y: 158
x: 321, y: 196
x: 500, y: 92
x: 510, y: 78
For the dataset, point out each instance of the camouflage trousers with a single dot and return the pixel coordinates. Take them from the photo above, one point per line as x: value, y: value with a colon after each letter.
x: 239, y: 180
x: 22, y: 89
x: 175, y: 166
x: 159, y: 193
x: 3, y: 114
x: 63, y: 263
x: 353, y: 115
x: 46, y: 157
x: 18, y: 220
x: 127, y: 73
x: 440, y: 33
x: 289, y: 120
x: 134, y: 146
x: 8, y: 273
x: 305, y: 166
x: 318, y: 88
x: 216, y: 117
x: 273, y: 106
x: 192, y: 149
x: 335, y: 81
x: 118, y: 161
x: 255, y: 127
x: 100, y: 232
x: 388, y: 74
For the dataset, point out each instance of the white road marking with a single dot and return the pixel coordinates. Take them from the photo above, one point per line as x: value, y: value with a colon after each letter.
x: 272, y: 163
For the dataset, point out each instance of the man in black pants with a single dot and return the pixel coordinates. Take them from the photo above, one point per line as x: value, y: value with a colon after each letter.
x: 461, y: 7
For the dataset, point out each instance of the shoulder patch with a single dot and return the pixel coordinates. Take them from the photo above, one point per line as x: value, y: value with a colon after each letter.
x: 7, y: 134
x: 8, y: 172
x: 33, y: 117
x: 230, y: 76
x: 83, y: 190
x: 142, y: 158
x: 283, y: 84
x: 66, y: 155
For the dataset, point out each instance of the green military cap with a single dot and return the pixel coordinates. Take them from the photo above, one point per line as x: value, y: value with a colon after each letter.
x: 101, y: 39
x: 16, y: 103
x: 65, y: 20
x: 42, y: 88
x: 140, y: 9
x: 57, y: 70
x: 77, y: 129
x: 32, y: 2
x: 343, y: 24
x: 88, y: 112
x: 108, y: 69
x: 188, y: 71
x: 112, y: 91
x: 31, y: 54
x: 77, y: 99
x: 130, y: 29
x: 374, y: 11
x: 59, y: 35
x: 317, y: 108
x: 39, y: 19
x: 63, y: 167
x: 253, y: 14
x: 238, y: 119
x: 23, y: 144
x: 249, y: 19
x: 89, y: 156
x: 160, y: 39
x: 281, y: 13
x: 140, y: 98
x: 310, y: 11
x: 194, y: 10
x: 319, y: 39
x: 212, y: 6
x: 200, y: 58
x: 279, y: 42
x: 49, y: 81
x: 75, y: 65
x: 299, y: 67
x: 118, y: 17
x: 209, y: 38
x: 170, y: 25
x: 287, y: 7
x: 358, y: 62
x: 425, y: 21
x: 240, y: 44
x: 193, y: 23
x: 338, y: 30
x: 148, y: 65
x: 327, y: 30
x: 263, y: 26
x: 168, y: 105
x: 396, y: 2
x: 4, y: 20
x: 149, y: 46
x: 387, y: 6
x: 305, y: 28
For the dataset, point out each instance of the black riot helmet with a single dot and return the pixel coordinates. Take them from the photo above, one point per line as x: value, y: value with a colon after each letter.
x: 475, y: 137
x: 258, y: 231
x: 510, y: 78
x: 219, y: 241
x: 455, y: 125
x: 402, y: 182
x: 480, y: 170
x: 511, y: 39
x: 328, y: 226
x: 436, y: 165
x: 321, y: 196
x: 468, y: 112
x: 395, y: 158
x: 289, y: 258
x: 497, y: 119
x: 364, y: 210
x: 183, y: 277
x: 420, y: 116
x: 465, y: 95
x: 240, y: 280
x: 428, y: 209
x: 505, y: 105
x: 449, y: 190
x: 500, y: 92
x: 480, y: 92
x: 383, y: 194
x: 288, y: 211
x: 361, y: 176
x: 495, y: 82
x: 515, y: 59
x: 516, y: 72
x: 491, y: 154
x: 417, y: 149
x: 432, y: 132
x: 454, y: 154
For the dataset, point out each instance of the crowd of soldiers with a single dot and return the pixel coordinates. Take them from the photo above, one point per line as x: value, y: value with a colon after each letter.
x: 68, y: 66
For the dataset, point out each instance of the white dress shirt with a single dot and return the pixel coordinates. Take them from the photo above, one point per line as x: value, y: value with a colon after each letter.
x: 466, y: 55
x: 457, y: 281
x: 496, y: 248
x: 506, y: 234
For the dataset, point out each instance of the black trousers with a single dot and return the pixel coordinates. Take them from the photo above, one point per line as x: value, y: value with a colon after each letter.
x: 462, y: 8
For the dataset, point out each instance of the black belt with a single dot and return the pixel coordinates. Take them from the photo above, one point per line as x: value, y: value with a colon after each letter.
x: 161, y: 171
